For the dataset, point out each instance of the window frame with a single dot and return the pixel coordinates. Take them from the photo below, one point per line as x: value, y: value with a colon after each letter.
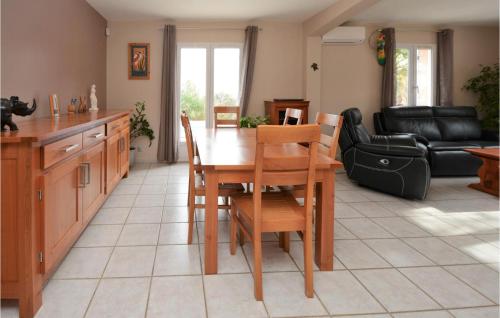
x: 412, y: 70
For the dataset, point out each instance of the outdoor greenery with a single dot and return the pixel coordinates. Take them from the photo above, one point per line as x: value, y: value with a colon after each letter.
x: 194, y: 104
x: 139, y: 125
x: 401, y: 70
x: 253, y: 122
x: 486, y: 85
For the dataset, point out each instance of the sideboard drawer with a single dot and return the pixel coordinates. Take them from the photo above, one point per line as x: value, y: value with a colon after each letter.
x: 94, y: 135
x: 113, y: 127
x: 61, y: 149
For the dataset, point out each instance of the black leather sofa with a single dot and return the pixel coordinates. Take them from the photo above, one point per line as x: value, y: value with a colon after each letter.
x: 389, y: 163
x: 442, y: 132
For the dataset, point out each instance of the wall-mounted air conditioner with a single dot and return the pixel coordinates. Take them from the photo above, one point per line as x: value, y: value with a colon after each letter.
x: 345, y: 35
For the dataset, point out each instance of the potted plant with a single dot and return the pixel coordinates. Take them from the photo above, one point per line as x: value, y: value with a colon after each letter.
x: 139, y: 127
x: 253, y: 122
x: 486, y: 85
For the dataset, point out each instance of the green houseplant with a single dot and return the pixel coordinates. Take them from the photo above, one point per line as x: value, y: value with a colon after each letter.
x: 139, y: 127
x: 486, y: 86
x: 253, y: 121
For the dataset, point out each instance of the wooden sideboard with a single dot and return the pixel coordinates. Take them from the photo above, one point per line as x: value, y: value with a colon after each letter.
x: 55, y: 175
x: 276, y: 110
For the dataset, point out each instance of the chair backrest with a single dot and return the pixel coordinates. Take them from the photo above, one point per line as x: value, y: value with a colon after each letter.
x: 328, y: 145
x: 292, y: 113
x: 189, y: 141
x: 273, y: 166
x: 226, y: 122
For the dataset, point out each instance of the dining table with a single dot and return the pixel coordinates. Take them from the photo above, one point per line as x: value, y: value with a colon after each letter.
x: 227, y: 155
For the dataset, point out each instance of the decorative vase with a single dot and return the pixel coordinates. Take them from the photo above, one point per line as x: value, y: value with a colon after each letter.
x: 131, y: 158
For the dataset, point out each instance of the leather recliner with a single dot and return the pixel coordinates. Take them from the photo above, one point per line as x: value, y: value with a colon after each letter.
x: 389, y: 163
x: 444, y: 133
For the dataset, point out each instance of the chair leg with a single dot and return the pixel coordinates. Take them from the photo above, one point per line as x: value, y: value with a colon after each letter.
x: 284, y: 241
x: 241, y: 236
x: 191, y: 209
x: 234, y: 227
x: 308, y: 263
x: 257, y: 266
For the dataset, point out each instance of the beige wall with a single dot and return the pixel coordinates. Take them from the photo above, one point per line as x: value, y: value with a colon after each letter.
x: 351, y: 76
x: 52, y: 47
x: 278, y: 69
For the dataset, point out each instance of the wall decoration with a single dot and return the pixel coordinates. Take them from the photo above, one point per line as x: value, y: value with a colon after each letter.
x: 14, y: 106
x: 381, y: 48
x: 138, y: 61
x: 315, y: 66
x: 54, y: 105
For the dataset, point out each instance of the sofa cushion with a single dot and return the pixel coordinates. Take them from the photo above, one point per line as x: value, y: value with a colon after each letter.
x: 457, y: 123
x: 486, y: 143
x: 417, y: 120
x: 451, y: 145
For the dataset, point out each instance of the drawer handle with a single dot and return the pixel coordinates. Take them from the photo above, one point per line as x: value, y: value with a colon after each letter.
x: 97, y: 136
x: 71, y: 148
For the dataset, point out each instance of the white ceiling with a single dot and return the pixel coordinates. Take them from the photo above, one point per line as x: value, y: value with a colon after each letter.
x: 288, y: 10
x: 438, y: 12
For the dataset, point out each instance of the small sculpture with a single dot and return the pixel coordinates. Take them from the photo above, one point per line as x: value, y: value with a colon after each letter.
x: 72, y: 106
x: 14, y: 106
x: 93, y: 99
x: 82, y: 107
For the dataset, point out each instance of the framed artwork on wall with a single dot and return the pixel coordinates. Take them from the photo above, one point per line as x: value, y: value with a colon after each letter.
x: 138, y: 61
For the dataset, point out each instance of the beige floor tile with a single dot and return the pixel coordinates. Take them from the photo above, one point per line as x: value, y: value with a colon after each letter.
x: 404, y: 208
x: 439, y: 252
x: 342, y: 294
x: 341, y: 233
x: 176, y: 199
x: 176, y: 296
x: 399, y: 227
x: 371, y: 209
x: 284, y: 296
x: 176, y: 233
x: 485, y: 312
x: 131, y: 261
x: 354, y: 254
x: 350, y: 196
x: 493, y: 239
x: 444, y: 287
x: 394, y: 290
x: 398, y: 253
x: 480, y: 277
x: 436, y: 226
x: 227, y: 263
x: 139, y: 234
x: 176, y: 188
x: 344, y: 210
x: 145, y: 215
x: 159, y: 170
x: 478, y: 249
x: 366, y: 316
x: 66, y: 298
x: 150, y: 200
x: 177, y: 260
x: 149, y: 189
x: 178, y: 178
x: 223, y: 235
x: 232, y: 296
x: 99, y: 235
x: 120, y: 297
x: 119, y: 201
x: 155, y: 179
x: 175, y: 214
x: 111, y: 216
x: 122, y: 188
x: 84, y: 263
x: 274, y: 259
x: 133, y: 179
x: 365, y: 228
x: 424, y: 314
x: 9, y: 309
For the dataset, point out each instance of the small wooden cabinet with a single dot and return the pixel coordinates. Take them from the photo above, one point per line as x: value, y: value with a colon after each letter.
x: 276, y: 110
x: 55, y: 176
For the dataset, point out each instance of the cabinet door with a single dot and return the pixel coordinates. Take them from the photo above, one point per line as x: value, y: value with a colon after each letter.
x: 125, y: 151
x: 113, y: 164
x: 94, y: 165
x: 62, y: 210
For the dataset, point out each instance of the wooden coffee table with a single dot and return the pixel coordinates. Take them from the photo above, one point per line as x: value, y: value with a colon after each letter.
x: 488, y: 173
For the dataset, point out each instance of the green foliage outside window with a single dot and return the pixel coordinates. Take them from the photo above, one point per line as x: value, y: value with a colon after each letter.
x: 401, y: 70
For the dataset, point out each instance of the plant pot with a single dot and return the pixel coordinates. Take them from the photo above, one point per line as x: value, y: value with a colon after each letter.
x: 131, y: 158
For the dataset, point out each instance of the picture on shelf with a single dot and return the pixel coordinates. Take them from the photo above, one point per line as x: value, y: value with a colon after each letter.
x: 138, y: 61
x: 54, y: 105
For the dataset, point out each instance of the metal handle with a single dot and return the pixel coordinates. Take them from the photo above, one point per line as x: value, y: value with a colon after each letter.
x: 384, y: 162
x: 98, y: 135
x: 71, y: 148
x: 81, y: 183
x: 85, y: 172
x: 122, y: 144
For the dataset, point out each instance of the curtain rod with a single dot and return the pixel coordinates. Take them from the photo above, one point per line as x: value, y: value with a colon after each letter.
x: 412, y: 30
x: 211, y: 28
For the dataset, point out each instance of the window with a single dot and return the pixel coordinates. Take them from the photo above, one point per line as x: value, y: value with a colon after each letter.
x: 208, y: 75
x: 415, y: 75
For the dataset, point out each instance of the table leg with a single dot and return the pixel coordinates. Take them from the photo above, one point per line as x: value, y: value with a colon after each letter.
x: 211, y: 220
x: 325, y: 198
x: 488, y: 177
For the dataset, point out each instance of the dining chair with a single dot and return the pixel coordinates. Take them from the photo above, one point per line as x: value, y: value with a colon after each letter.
x: 255, y: 213
x: 225, y: 122
x: 196, y: 186
x: 293, y: 113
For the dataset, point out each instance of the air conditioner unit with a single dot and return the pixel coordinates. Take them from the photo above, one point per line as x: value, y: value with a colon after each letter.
x: 345, y: 35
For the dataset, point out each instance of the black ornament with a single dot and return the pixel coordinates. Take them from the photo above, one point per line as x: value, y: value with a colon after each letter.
x: 14, y: 106
x: 315, y: 66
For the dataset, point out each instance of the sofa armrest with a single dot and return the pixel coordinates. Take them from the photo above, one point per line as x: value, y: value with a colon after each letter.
x: 394, y: 140
x: 392, y: 150
x: 418, y: 138
x: 489, y: 135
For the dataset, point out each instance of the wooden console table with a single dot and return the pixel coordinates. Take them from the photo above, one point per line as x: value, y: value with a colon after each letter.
x: 56, y: 174
x: 488, y: 172
x: 276, y: 109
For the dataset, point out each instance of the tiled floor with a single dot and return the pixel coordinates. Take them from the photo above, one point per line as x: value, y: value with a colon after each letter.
x: 394, y: 258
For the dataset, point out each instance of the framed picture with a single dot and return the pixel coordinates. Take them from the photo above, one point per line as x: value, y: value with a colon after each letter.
x: 138, y: 61
x: 54, y: 105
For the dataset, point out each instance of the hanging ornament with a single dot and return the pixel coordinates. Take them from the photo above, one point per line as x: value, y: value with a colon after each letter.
x: 381, y: 48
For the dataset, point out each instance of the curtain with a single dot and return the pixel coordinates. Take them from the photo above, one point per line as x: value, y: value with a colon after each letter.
x: 444, y: 80
x: 388, y: 96
x: 247, y: 66
x: 168, y: 138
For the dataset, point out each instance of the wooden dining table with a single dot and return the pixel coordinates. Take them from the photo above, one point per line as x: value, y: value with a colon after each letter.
x: 228, y: 156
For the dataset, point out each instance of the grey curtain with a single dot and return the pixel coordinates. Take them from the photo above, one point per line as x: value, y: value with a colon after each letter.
x: 444, y: 80
x: 168, y: 138
x: 247, y: 66
x: 388, y: 96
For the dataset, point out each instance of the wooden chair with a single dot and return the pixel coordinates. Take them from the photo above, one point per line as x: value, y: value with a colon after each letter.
x: 253, y: 214
x: 196, y: 182
x: 221, y: 123
x: 293, y: 113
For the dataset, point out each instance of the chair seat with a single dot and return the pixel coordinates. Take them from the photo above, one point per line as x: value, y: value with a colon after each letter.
x: 280, y: 211
x: 225, y: 189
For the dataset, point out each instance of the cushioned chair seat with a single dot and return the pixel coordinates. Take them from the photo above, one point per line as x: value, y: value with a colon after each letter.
x: 451, y: 145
